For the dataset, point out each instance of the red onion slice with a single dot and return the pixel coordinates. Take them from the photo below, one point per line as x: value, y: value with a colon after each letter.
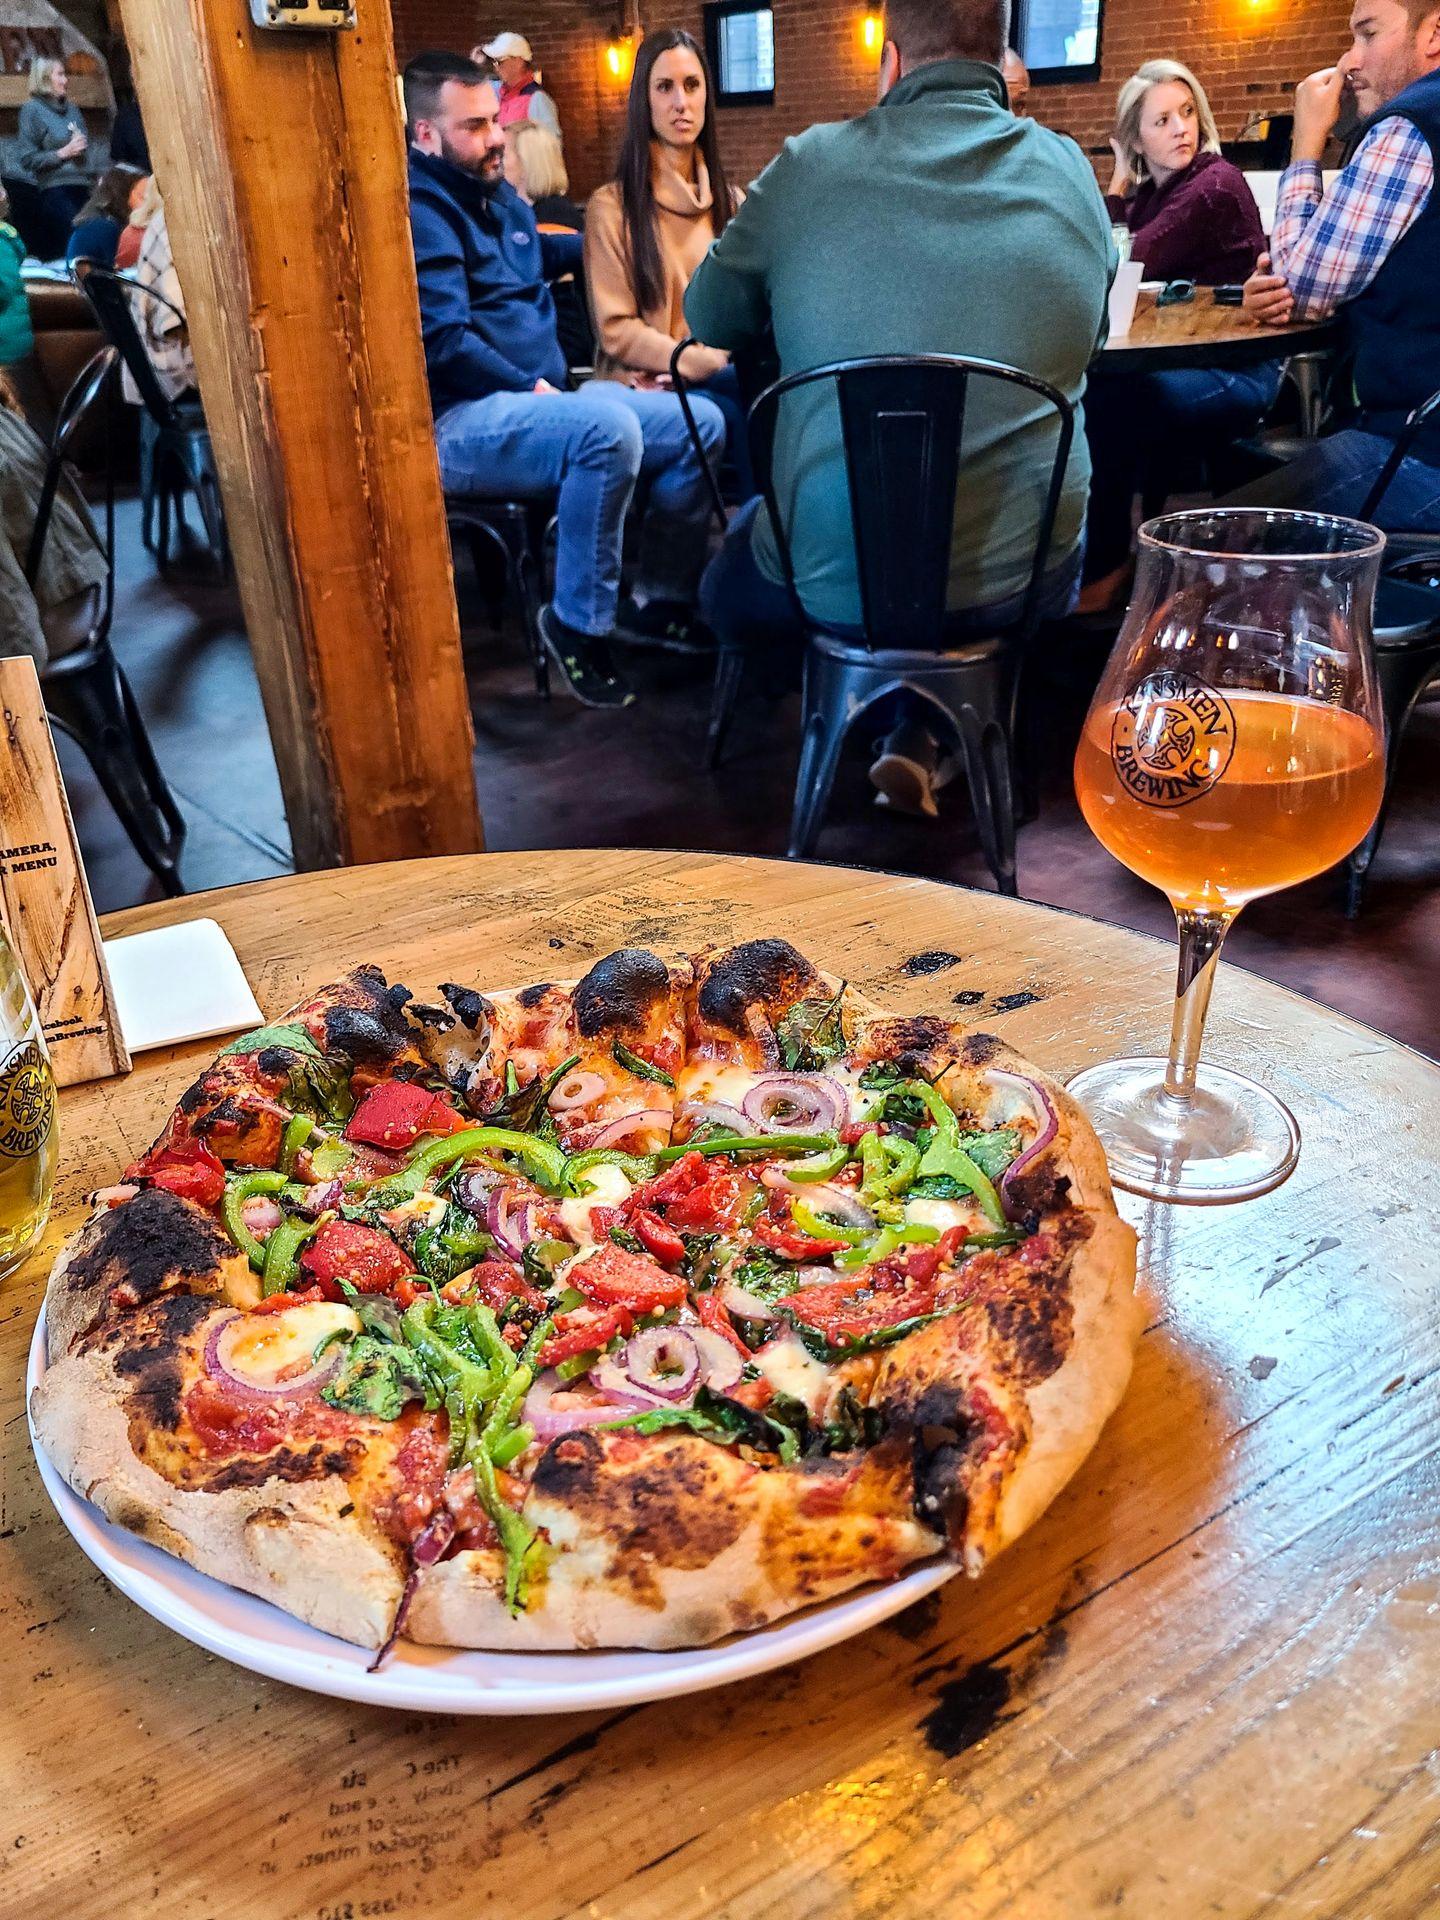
x: 575, y: 1091
x: 222, y: 1338
x: 796, y: 1103
x: 712, y: 1113
x: 510, y: 1220
x: 261, y: 1215
x: 473, y: 1188
x: 552, y: 1408
x: 322, y: 1199
x: 720, y: 1361
x: 1047, y: 1120
x: 612, y: 1132
x: 428, y: 1546
x: 664, y: 1361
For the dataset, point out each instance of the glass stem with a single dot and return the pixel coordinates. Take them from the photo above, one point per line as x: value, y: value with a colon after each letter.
x: 1202, y: 935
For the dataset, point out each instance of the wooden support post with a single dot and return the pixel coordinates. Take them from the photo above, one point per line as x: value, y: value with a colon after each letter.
x: 281, y: 160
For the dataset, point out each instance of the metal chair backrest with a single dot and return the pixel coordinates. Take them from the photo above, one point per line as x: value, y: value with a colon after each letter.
x: 903, y: 422
x: 1404, y: 442
x: 94, y: 384
x: 113, y: 296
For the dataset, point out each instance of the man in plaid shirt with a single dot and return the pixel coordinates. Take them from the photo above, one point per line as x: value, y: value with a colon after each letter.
x: 1328, y: 250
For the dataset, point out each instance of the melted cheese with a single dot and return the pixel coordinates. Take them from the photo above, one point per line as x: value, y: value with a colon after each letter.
x: 790, y: 1369
x: 267, y: 1347
x: 608, y: 1186
x: 943, y: 1214
x: 709, y: 1080
x: 426, y: 1210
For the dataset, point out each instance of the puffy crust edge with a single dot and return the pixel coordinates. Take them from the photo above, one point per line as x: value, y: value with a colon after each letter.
x: 287, y: 1544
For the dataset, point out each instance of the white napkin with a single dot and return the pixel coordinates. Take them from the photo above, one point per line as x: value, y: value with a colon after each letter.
x: 179, y: 983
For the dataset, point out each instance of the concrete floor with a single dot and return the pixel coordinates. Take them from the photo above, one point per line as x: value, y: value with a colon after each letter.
x: 560, y: 776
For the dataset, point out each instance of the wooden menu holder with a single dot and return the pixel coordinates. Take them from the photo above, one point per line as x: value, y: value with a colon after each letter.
x: 45, y: 897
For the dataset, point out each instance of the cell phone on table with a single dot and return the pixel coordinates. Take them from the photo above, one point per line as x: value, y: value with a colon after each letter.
x: 1229, y: 296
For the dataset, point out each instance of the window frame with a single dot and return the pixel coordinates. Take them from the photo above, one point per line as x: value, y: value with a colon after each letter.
x: 1057, y: 76
x: 716, y: 13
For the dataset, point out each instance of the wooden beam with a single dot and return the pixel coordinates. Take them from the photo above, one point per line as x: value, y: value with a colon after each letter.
x: 281, y: 159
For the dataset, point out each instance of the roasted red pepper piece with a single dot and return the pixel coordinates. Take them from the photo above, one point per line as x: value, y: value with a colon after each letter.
x: 586, y: 1330
x: 658, y: 1239
x: 396, y: 1113
x: 344, y: 1250
x: 714, y: 1316
x: 612, y: 1277
x: 190, y: 1170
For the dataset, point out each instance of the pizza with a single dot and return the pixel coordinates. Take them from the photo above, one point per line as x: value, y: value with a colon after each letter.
x: 633, y: 1312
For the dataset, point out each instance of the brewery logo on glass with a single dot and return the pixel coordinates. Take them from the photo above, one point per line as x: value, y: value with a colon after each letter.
x: 27, y: 1102
x: 1172, y: 739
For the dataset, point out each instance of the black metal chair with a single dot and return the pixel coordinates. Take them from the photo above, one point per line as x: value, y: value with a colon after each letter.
x: 86, y: 692
x: 1407, y: 637
x: 903, y: 423
x: 516, y: 532
x: 176, y: 453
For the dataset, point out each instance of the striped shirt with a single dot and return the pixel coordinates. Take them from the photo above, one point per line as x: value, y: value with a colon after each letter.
x: 1328, y: 247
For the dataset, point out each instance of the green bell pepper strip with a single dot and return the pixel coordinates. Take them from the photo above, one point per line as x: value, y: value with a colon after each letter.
x: 282, y: 1253
x: 512, y: 1446
x: 891, y: 1163
x: 819, y: 1228
x: 781, y: 1143
x: 546, y: 1164
x: 238, y: 1189
x: 298, y: 1130
x: 825, y: 1168
x: 889, y: 1240
x: 946, y: 1155
x: 636, y: 1170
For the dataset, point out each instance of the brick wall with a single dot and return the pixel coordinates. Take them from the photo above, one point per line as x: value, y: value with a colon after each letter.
x: 1249, y: 53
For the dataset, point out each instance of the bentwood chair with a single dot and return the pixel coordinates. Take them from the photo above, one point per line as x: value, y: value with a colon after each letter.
x: 175, y: 448
x: 1407, y: 636
x: 903, y: 424
x: 516, y: 532
x: 86, y: 692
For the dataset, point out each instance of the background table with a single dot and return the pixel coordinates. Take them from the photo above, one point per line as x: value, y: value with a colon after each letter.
x: 1197, y: 333
x: 1204, y: 1684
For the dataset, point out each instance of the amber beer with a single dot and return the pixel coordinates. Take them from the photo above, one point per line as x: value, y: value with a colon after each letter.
x: 1218, y: 797
x: 27, y: 1118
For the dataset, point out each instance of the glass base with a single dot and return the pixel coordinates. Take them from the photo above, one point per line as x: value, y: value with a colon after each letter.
x: 1232, y: 1141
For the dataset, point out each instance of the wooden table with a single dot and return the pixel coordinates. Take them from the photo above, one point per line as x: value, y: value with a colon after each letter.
x: 1205, y: 1684
x: 1197, y: 333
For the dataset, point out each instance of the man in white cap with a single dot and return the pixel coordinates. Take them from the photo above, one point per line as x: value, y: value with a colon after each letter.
x: 521, y: 95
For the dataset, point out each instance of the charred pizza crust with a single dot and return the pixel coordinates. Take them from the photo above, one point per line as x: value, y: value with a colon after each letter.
x: 664, y: 1541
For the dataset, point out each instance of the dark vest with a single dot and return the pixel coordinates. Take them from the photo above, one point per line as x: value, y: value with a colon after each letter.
x: 1394, y: 326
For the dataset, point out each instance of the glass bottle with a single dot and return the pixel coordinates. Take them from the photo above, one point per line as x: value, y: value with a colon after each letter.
x: 28, y: 1130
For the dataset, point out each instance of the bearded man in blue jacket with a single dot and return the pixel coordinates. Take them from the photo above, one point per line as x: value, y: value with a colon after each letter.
x: 505, y: 425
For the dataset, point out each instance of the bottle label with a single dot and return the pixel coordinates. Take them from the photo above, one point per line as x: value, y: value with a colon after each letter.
x: 27, y: 1103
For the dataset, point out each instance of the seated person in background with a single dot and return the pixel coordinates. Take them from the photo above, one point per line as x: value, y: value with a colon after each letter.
x: 162, y: 324
x: 105, y: 215
x: 650, y: 228
x: 17, y: 334
x: 127, y: 247
x: 535, y: 168
x: 938, y: 223
x: 1368, y: 250
x: 1017, y: 83
x: 59, y: 612
x: 1191, y: 216
x: 521, y: 95
x: 504, y: 426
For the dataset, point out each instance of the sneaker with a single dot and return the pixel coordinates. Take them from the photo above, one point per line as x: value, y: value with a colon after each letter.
x: 905, y: 773
x: 586, y: 663
x: 669, y: 625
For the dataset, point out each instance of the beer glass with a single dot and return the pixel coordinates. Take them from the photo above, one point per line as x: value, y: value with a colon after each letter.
x: 1235, y: 746
x: 27, y: 1117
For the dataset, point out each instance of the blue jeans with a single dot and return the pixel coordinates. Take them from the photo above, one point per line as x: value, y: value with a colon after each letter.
x: 1137, y: 423
x: 590, y: 448
x: 1336, y: 475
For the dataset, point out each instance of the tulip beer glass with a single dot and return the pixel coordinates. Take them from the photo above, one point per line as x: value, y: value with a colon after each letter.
x: 1235, y: 746
x: 27, y: 1117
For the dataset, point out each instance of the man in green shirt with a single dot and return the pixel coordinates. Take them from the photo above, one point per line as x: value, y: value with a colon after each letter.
x: 937, y: 223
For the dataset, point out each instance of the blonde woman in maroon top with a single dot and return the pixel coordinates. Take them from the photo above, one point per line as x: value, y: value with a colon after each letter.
x: 1191, y: 216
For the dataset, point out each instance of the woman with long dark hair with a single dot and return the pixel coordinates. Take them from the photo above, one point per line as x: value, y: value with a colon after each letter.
x: 650, y: 228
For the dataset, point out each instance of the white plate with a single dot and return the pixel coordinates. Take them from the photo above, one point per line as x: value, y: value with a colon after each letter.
x: 253, y: 1634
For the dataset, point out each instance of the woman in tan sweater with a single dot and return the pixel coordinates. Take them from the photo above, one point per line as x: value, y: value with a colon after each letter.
x: 650, y: 228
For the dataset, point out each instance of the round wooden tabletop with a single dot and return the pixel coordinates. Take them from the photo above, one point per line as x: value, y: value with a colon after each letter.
x: 1198, y: 333
x: 1205, y: 1682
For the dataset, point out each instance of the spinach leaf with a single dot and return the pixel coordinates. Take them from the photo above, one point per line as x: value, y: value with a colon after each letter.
x: 379, y: 1377
x: 765, y: 1275
x: 847, y: 1347
x: 376, y: 1312
x: 713, y: 1417
x: 622, y: 1237
x: 703, y: 1252
x: 812, y: 1034
x: 295, y: 1038
x: 539, y: 1260
x: 642, y: 1069
x: 850, y: 1425
x: 992, y: 1152
x: 454, y: 1244
x: 527, y: 1109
